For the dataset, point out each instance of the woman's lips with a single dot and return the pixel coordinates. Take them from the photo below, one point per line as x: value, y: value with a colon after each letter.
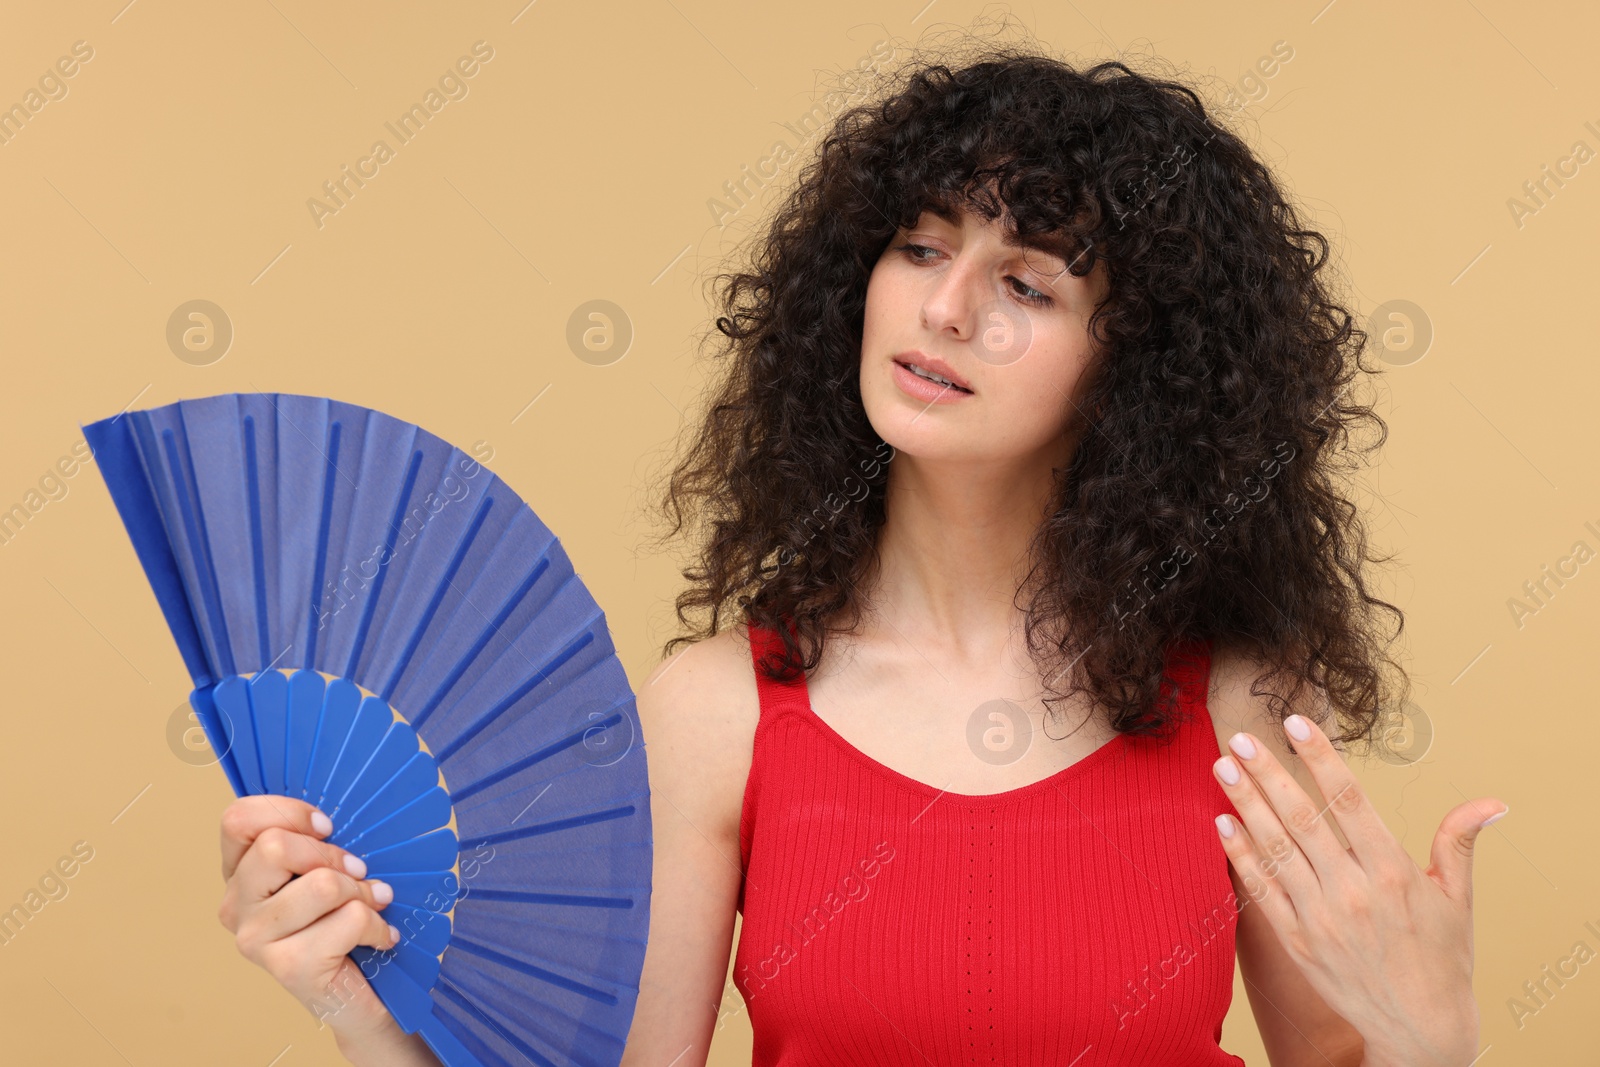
x: 923, y: 389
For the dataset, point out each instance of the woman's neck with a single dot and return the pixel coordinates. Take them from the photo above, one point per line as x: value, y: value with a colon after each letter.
x: 954, y: 551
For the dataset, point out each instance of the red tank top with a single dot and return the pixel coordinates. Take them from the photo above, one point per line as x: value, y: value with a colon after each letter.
x: 1084, y: 919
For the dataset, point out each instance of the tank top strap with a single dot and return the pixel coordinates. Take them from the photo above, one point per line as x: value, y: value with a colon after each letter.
x: 776, y: 697
x: 1189, y: 668
x: 777, y: 700
x: 1188, y: 671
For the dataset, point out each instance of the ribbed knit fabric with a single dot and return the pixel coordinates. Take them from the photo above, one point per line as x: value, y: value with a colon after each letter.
x: 1085, y: 919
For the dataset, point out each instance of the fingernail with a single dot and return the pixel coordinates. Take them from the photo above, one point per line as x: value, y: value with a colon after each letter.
x: 382, y: 892
x: 355, y: 865
x: 1495, y: 817
x: 1224, y: 826
x: 1298, y: 728
x: 1242, y: 745
x: 1228, y: 770
x: 395, y: 934
x: 321, y: 823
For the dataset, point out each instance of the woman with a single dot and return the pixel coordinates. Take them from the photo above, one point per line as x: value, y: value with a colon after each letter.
x: 1125, y: 476
x: 1020, y: 490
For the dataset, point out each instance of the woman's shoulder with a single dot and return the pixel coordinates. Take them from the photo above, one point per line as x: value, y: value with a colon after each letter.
x: 698, y: 710
x: 1236, y: 668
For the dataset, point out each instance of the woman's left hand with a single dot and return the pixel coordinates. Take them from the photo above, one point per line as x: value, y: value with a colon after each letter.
x: 1387, y: 945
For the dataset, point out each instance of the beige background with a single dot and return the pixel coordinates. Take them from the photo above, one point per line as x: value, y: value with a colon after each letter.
x: 580, y: 166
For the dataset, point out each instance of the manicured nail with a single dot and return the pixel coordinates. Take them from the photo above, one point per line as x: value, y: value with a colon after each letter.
x: 1224, y: 826
x: 382, y: 892
x: 1242, y: 745
x: 1298, y: 728
x: 355, y: 865
x: 321, y: 823
x: 395, y: 934
x: 1497, y: 816
x: 1228, y: 770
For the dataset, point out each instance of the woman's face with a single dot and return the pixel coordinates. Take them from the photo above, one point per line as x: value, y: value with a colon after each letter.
x: 1009, y: 322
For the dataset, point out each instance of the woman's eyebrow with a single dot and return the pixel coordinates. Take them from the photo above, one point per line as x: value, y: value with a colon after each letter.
x: 1055, y: 264
x: 1057, y: 248
x: 1049, y: 244
x: 1053, y: 245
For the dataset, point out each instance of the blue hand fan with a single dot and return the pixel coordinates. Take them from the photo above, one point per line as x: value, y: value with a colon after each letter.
x: 375, y: 623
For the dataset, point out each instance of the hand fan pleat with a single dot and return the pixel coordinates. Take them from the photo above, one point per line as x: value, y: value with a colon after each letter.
x: 375, y: 623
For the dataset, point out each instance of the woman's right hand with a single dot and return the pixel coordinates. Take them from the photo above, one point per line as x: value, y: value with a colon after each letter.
x: 301, y: 929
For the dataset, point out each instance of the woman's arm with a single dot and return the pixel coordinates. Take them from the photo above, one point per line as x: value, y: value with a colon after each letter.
x: 1297, y: 1027
x: 698, y: 713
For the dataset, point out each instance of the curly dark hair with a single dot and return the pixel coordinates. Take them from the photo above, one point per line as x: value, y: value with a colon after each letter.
x: 1204, y: 502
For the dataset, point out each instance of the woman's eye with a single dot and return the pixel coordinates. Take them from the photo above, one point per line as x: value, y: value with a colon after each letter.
x: 1031, y: 295
x: 911, y: 251
x: 1037, y: 297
